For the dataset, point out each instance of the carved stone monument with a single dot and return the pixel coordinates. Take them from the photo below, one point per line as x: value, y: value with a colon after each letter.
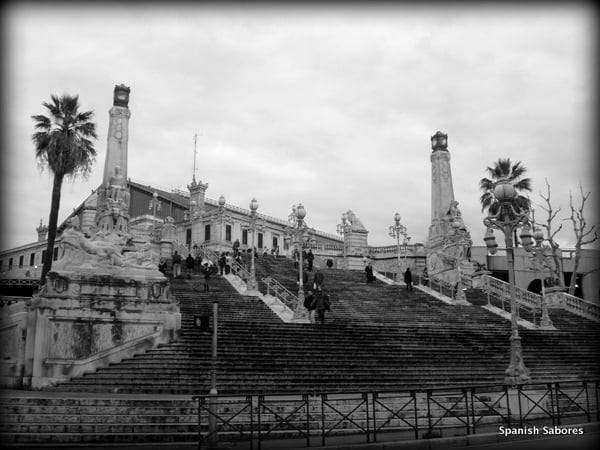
x: 356, y: 242
x: 449, y: 241
x: 104, y: 298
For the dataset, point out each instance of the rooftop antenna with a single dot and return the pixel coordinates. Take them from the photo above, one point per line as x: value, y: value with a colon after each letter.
x: 194, y: 172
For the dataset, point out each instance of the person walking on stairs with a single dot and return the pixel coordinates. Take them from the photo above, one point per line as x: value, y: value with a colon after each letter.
x: 207, y: 269
x: 176, y: 265
x: 318, y: 280
x: 408, y: 279
x: 189, y: 265
x: 309, y: 304
x: 369, y: 272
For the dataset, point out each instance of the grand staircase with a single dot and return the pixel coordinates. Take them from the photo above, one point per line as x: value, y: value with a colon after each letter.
x: 376, y: 337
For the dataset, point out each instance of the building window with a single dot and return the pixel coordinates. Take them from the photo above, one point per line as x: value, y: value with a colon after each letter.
x: 228, y: 233
x: 207, y: 232
x: 10, y: 263
x: 275, y: 242
x: 1, y: 264
x: 245, y: 237
x: 32, y: 259
x: 55, y: 254
x: 21, y: 258
x: 260, y: 240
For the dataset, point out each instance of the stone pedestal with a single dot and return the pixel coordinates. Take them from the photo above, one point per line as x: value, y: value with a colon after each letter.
x: 82, y: 321
x: 356, y: 243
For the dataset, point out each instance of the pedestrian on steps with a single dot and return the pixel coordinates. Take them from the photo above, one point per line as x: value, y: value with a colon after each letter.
x: 369, y: 272
x: 318, y: 280
x: 208, y: 268
x: 189, y: 265
x: 408, y: 279
x: 176, y: 265
x: 310, y: 306
x: 321, y: 304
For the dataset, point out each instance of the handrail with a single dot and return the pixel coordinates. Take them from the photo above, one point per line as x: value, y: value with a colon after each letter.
x: 580, y: 307
x: 441, y: 284
x: 502, y: 289
x: 276, y: 289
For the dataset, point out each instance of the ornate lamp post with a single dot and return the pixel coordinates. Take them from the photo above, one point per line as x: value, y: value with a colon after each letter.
x: 343, y: 229
x: 507, y: 219
x: 220, y: 214
x: 405, y: 243
x: 396, y: 231
x: 212, y: 405
x: 252, y: 285
x: 539, y: 254
x: 300, y: 311
x: 154, y: 205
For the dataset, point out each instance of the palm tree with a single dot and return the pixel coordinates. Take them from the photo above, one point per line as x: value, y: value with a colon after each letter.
x: 62, y: 144
x: 504, y: 170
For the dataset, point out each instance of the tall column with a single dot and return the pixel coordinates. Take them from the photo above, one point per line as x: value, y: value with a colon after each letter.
x: 112, y: 209
x: 442, y: 191
x: 118, y: 134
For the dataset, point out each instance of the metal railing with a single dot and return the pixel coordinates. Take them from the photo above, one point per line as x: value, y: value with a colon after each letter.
x: 315, y: 419
x: 276, y: 289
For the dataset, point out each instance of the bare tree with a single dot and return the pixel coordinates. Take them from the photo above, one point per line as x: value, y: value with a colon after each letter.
x: 582, y: 235
x: 555, y: 268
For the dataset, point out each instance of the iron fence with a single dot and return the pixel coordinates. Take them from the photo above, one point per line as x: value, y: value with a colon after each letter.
x: 319, y: 418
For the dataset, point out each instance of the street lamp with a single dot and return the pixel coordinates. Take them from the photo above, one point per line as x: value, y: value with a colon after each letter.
x: 212, y: 401
x: 252, y: 285
x: 507, y: 219
x: 220, y: 213
x: 539, y: 254
x: 300, y: 311
x: 396, y: 231
x: 343, y: 229
x: 154, y: 205
x: 405, y: 242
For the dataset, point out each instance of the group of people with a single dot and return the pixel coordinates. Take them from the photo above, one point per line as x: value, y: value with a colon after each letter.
x: 308, y: 259
x: 316, y: 301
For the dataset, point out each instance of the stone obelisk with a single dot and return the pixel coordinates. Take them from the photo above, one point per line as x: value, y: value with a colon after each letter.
x: 112, y: 211
x: 449, y: 241
x: 442, y: 191
x: 118, y: 134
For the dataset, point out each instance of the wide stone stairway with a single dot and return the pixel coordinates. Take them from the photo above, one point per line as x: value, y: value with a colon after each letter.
x: 376, y: 337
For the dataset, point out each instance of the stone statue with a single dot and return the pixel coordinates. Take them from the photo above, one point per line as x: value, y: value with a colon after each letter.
x: 115, y: 184
x: 355, y: 223
x: 103, y: 251
x: 454, y: 216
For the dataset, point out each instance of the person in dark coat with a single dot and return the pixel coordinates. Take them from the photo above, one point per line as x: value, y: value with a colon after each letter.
x: 176, y: 265
x: 310, y: 258
x: 408, y: 279
x: 189, y: 265
x: 369, y: 272
x: 162, y: 266
x: 321, y: 304
x: 310, y: 306
x: 208, y: 268
x: 221, y: 263
x: 318, y: 280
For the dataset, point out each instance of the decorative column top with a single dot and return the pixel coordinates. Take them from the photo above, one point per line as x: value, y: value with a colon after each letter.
x: 121, y: 95
x: 439, y: 141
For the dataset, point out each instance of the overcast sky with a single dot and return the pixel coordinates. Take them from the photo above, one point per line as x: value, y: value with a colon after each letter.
x: 332, y: 107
